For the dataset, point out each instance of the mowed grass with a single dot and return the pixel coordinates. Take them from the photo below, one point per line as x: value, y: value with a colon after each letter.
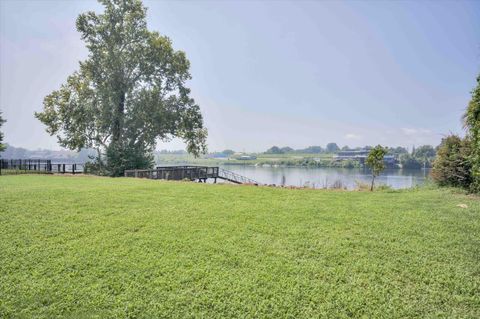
x: 87, y: 247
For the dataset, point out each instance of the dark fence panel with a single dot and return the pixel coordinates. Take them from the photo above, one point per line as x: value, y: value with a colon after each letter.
x: 40, y: 166
x: 175, y: 173
x: 24, y: 166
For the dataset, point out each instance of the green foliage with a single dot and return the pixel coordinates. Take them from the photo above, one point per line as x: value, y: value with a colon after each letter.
x: 452, y: 166
x: 228, y: 152
x: 128, y: 93
x: 2, y: 145
x: 332, y: 148
x: 422, y: 156
x: 123, y: 158
x: 375, y: 161
x: 424, y: 151
x: 312, y: 150
x: 458, y: 160
x: 287, y: 149
x: 278, y: 150
x: 397, y: 150
x: 274, y: 150
x: 472, y: 123
x: 410, y: 162
x: 129, y: 248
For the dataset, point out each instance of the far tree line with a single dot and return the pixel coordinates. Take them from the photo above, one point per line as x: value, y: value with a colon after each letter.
x: 422, y: 156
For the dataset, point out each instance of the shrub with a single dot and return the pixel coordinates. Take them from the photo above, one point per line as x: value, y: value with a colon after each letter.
x: 452, y: 166
x: 472, y: 124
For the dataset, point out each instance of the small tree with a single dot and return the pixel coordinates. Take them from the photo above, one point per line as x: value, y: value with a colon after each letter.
x: 376, y: 162
x: 2, y: 146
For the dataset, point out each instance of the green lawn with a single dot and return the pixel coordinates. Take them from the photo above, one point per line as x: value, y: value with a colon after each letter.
x: 87, y: 247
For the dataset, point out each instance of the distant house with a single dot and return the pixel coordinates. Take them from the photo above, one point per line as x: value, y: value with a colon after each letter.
x: 361, y: 156
x: 217, y: 155
x: 351, y: 155
x: 246, y: 157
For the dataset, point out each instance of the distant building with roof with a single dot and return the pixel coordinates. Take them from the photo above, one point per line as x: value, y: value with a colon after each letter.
x: 361, y: 156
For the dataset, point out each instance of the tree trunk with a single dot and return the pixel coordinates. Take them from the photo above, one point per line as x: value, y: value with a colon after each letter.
x: 118, y: 119
x: 373, y: 181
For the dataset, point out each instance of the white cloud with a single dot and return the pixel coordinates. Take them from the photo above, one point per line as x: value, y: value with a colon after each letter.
x: 415, y: 131
x: 352, y: 136
x: 419, y: 136
x: 409, y: 131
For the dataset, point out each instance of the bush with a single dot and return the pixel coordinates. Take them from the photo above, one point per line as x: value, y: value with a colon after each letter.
x: 472, y: 124
x: 452, y: 166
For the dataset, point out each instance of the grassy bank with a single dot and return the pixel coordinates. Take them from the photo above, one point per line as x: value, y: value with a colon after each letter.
x: 128, y: 248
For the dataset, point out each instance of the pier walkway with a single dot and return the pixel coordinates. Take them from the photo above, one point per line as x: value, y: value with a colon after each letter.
x: 192, y: 173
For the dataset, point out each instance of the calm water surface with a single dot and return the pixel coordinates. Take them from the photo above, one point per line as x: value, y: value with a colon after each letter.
x: 326, y: 177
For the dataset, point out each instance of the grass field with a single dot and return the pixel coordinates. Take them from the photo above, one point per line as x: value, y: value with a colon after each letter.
x: 87, y: 247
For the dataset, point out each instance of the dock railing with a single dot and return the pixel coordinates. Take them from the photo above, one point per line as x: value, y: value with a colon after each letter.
x: 192, y: 173
x: 175, y: 173
x: 38, y: 166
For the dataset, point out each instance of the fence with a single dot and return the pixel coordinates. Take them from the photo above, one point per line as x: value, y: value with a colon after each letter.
x: 198, y: 173
x: 38, y: 166
x: 175, y: 173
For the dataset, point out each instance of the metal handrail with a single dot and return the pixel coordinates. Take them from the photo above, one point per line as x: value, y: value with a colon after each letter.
x: 234, y: 177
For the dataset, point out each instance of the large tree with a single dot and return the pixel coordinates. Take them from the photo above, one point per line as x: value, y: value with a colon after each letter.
x: 472, y: 123
x: 129, y: 93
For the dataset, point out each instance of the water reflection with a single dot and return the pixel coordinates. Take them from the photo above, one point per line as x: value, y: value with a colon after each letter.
x: 327, y: 177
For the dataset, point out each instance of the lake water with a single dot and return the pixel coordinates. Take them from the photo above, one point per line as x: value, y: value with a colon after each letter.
x: 326, y: 177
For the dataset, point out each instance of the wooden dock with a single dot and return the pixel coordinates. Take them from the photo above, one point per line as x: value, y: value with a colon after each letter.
x: 192, y: 173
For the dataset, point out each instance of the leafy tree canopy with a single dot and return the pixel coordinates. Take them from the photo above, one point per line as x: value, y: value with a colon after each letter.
x: 408, y: 161
x: 312, y: 150
x: 398, y: 150
x: 228, y: 152
x: 424, y: 151
x: 287, y: 149
x: 452, y: 166
x: 274, y: 150
x: 332, y: 148
x: 472, y: 123
x: 127, y: 94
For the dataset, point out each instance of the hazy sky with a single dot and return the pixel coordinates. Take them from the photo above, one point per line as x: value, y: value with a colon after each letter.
x: 272, y: 72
